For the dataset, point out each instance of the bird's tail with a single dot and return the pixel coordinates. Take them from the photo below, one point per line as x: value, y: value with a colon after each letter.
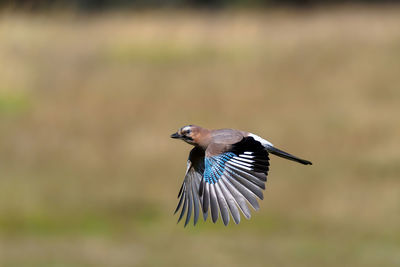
x: 283, y: 154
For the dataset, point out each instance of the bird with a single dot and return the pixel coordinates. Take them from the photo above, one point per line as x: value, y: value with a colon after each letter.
x: 226, y: 169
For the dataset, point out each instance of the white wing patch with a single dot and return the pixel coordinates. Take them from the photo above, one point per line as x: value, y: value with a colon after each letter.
x: 238, y: 165
x: 241, y: 162
x: 244, y: 159
x: 246, y: 156
x: 264, y: 142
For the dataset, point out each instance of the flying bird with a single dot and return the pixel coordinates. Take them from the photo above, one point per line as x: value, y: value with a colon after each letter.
x: 226, y: 169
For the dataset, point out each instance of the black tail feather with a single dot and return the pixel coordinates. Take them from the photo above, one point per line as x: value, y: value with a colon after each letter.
x: 283, y: 154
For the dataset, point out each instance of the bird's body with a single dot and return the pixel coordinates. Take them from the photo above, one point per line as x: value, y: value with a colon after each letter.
x: 226, y: 169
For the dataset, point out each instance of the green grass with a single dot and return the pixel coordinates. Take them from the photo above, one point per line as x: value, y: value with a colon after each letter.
x: 89, y: 175
x: 13, y: 103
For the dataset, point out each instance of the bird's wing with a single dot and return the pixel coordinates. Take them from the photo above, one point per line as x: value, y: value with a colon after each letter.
x: 189, y: 192
x: 233, y: 175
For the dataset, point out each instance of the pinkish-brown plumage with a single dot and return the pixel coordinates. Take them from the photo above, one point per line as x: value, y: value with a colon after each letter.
x: 227, y: 170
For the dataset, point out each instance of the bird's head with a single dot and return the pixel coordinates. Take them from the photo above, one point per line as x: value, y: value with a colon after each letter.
x: 189, y: 134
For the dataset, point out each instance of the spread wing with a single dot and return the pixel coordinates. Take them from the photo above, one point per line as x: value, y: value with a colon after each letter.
x: 232, y: 178
x: 189, y: 192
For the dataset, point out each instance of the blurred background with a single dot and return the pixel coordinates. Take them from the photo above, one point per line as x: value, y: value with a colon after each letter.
x: 91, y: 90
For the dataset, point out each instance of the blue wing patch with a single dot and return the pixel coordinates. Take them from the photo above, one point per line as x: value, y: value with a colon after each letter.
x: 234, y: 179
x: 215, y: 166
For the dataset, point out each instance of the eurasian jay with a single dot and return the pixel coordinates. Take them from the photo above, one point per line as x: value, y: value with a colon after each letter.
x: 225, y: 169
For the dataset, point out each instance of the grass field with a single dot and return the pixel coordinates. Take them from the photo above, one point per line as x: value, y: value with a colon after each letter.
x: 89, y: 175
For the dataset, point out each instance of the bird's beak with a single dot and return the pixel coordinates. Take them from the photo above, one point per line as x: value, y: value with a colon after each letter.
x: 176, y: 135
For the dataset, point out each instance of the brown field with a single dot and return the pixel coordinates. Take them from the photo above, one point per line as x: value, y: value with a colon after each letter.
x: 89, y: 175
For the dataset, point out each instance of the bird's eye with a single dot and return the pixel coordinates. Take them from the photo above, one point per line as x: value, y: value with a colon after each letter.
x: 188, y: 132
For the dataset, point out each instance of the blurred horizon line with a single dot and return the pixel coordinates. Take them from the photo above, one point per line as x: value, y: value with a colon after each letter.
x: 104, y: 6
